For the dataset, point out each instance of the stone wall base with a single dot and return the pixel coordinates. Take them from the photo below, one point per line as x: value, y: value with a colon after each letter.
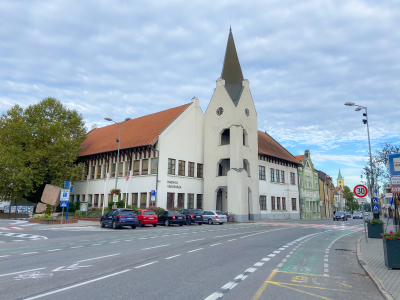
x: 38, y: 221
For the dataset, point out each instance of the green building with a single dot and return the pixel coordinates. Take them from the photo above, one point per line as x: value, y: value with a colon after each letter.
x: 308, y: 187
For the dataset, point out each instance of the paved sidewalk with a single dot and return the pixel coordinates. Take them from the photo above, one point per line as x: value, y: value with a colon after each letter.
x: 372, y: 260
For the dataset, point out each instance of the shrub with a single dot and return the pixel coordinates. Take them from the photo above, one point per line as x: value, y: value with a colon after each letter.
x: 48, y: 209
x: 156, y: 209
x: 374, y: 221
x: 120, y: 204
x: 176, y: 209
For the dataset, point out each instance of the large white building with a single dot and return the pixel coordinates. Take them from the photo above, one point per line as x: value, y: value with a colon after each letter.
x: 212, y: 160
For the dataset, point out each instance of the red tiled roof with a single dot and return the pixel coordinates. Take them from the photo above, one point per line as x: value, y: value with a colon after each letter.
x: 299, y: 158
x: 268, y: 146
x: 134, y: 133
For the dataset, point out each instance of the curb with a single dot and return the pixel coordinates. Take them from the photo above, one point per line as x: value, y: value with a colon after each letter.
x: 371, y: 274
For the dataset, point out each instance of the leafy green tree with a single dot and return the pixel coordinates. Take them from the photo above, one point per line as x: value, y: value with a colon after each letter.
x: 349, y: 197
x: 39, y: 145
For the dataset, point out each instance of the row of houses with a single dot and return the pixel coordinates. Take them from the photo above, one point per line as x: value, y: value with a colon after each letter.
x: 213, y: 160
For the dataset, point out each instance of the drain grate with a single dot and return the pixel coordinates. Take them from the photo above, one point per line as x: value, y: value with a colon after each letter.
x: 347, y: 250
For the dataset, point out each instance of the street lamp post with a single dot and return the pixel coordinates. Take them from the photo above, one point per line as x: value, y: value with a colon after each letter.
x: 118, y: 140
x: 158, y: 160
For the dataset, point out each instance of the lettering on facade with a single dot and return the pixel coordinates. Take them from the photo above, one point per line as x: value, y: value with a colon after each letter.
x: 173, y: 184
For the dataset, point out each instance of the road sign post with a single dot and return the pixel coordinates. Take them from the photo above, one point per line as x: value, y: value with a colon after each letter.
x: 64, y: 198
x: 361, y: 191
x: 365, y: 226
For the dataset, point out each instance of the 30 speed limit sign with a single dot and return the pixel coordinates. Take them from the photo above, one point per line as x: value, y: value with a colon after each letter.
x: 360, y: 191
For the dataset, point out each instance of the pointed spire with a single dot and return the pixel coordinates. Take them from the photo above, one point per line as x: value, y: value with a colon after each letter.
x: 340, y: 175
x: 231, y: 71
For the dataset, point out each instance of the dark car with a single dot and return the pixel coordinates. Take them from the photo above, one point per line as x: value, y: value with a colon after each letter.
x: 119, y: 217
x: 340, y: 215
x: 348, y: 215
x: 171, y: 217
x: 193, y: 216
x: 357, y: 215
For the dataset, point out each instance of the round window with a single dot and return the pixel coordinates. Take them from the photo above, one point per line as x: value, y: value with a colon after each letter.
x: 220, y: 111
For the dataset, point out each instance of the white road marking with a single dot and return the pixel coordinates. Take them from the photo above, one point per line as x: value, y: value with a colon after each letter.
x: 195, y: 250
x: 96, y: 244
x: 271, y: 255
x: 238, y: 277
x: 21, y: 272
x: 115, y: 242
x: 280, y: 265
x: 17, y: 240
x: 284, y: 260
x: 325, y: 259
x: 173, y: 256
x: 228, y: 285
x: 266, y: 259
x: 214, y: 296
x: 28, y: 253
x: 288, y: 256
x: 281, y: 249
x: 259, y: 264
x: 326, y: 265
x: 250, y: 270
x: 231, y: 240
x: 98, y: 257
x: 156, y: 247
x: 146, y: 265
x: 76, y: 247
x: 194, y: 240
x: 76, y: 285
x: 4, y: 255
x: 215, y: 244
x: 53, y: 250
x: 276, y: 252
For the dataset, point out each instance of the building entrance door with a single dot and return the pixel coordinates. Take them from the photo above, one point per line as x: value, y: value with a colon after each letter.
x: 219, y: 200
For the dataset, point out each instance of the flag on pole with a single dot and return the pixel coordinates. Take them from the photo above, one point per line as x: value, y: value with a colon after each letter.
x: 105, y: 175
x: 129, y: 171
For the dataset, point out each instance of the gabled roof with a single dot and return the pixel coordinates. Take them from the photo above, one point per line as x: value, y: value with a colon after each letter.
x: 268, y: 146
x: 299, y: 158
x: 137, y: 132
x: 231, y: 71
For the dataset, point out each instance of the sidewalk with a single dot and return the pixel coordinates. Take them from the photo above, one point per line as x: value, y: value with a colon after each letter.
x: 79, y: 224
x: 370, y: 256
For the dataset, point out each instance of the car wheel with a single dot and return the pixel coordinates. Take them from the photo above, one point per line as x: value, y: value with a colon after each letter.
x: 115, y: 225
x: 221, y: 223
x: 333, y: 219
x: 140, y: 224
x: 189, y: 222
x: 200, y: 223
x: 210, y: 222
x: 154, y: 225
x: 133, y: 226
x: 102, y: 224
x: 180, y: 224
x: 166, y: 223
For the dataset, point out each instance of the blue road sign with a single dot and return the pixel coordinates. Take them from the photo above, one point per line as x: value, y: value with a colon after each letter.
x: 374, y: 201
x: 67, y: 184
x: 394, y: 164
x: 153, y: 192
x: 64, y: 204
x: 391, y: 201
x: 375, y: 207
x: 71, y: 189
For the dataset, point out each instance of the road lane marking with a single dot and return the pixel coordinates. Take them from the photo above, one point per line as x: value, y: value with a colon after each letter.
x: 53, y: 250
x: 266, y: 259
x: 21, y: 272
x: 98, y: 257
x: 173, y: 256
x: 195, y: 240
x: 230, y: 285
x: 271, y: 255
x: 250, y: 270
x: 215, y: 244
x: 28, y: 253
x: 259, y: 264
x: 76, y: 247
x: 146, y: 265
x: 195, y: 250
x: 96, y: 244
x: 231, y: 240
x: 76, y: 285
x: 4, y: 255
x: 156, y: 247
x: 276, y: 252
x: 262, y: 288
x: 214, y: 296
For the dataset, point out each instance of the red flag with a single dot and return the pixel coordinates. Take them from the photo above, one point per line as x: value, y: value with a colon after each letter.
x: 127, y: 175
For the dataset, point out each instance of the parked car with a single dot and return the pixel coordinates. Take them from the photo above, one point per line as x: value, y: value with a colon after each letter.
x: 193, y: 216
x: 119, y: 217
x: 171, y: 217
x: 147, y: 217
x: 340, y: 215
x: 348, y: 215
x: 357, y: 215
x: 214, y: 216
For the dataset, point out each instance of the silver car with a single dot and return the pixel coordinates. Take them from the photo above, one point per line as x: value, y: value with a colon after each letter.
x: 214, y: 216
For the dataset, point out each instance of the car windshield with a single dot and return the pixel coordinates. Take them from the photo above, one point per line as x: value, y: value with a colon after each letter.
x: 195, y: 212
x: 220, y: 213
x: 175, y: 213
x: 339, y: 213
x: 356, y: 213
x: 149, y: 213
x: 126, y: 212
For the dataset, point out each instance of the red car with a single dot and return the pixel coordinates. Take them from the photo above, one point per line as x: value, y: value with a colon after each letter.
x: 147, y: 217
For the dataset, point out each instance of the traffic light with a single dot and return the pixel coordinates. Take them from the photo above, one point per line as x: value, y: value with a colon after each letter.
x: 364, y: 120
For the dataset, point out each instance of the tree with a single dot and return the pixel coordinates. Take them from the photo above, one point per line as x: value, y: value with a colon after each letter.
x: 39, y: 145
x: 349, y: 197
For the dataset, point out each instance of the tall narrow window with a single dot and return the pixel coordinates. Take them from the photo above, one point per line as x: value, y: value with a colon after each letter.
x: 98, y: 173
x: 292, y: 178
x: 154, y: 165
x: 85, y: 173
x: 278, y: 203
x: 272, y: 203
x: 92, y: 172
x: 225, y: 137
x: 263, y: 202
x: 135, y: 199
x: 143, y: 200
x: 191, y: 169
x: 127, y: 167
x: 294, y: 204
x: 283, y: 176
x: 277, y: 176
x: 300, y: 181
x: 245, y: 138
x: 171, y: 166
x: 190, y: 204
x: 283, y: 203
x: 272, y: 175
x: 113, y: 166
x: 170, y: 200
x: 261, y: 172
x: 145, y: 166
x: 120, y: 169
x: 96, y: 200
x: 136, y: 167
x: 181, y: 168
x: 199, y: 171
x: 199, y: 201
x: 105, y: 169
x: 181, y: 200
x: 315, y: 183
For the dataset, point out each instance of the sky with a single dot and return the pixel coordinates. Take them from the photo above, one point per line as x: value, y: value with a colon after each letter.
x: 303, y: 59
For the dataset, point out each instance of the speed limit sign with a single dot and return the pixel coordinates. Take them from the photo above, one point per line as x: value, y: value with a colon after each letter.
x: 360, y: 191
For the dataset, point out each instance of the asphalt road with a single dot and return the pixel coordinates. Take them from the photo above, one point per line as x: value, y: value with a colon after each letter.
x: 276, y: 260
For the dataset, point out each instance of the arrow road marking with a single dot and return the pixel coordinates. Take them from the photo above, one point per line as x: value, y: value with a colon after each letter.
x: 70, y: 268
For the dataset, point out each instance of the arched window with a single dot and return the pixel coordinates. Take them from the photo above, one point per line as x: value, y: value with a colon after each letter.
x: 225, y: 137
x: 224, y: 166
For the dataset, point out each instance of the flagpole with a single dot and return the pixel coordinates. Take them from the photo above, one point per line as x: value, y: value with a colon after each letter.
x: 105, y: 186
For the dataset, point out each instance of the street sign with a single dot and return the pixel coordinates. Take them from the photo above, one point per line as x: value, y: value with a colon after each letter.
x: 395, y: 189
x: 67, y: 184
x: 374, y: 201
x: 360, y: 191
x: 64, y: 204
x: 395, y: 180
x: 115, y: 198
x: 394, y: 164
x: 375, y: 207
x: 361, y: 200
x: 71, y: 189
x: 64, y: 195
x: 153, y: 195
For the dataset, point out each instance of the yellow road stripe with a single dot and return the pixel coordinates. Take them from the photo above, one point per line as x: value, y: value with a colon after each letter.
x: 308, y: 286
x: 262, y: 288
x: 322, y: 297
x: 306, y: 274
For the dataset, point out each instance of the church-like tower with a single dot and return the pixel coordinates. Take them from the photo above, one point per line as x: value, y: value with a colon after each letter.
x: 340, y: 180
x: 231, y: 144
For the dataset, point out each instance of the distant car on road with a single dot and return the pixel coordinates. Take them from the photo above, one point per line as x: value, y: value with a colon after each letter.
x: 193, y: 216
x: 357, y: 215
x: 348, y: 215
x: 214, y: 216
x: 340, y: 215
x: 171, y: 217
x: 119, y: 217
x: 147, y: 217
